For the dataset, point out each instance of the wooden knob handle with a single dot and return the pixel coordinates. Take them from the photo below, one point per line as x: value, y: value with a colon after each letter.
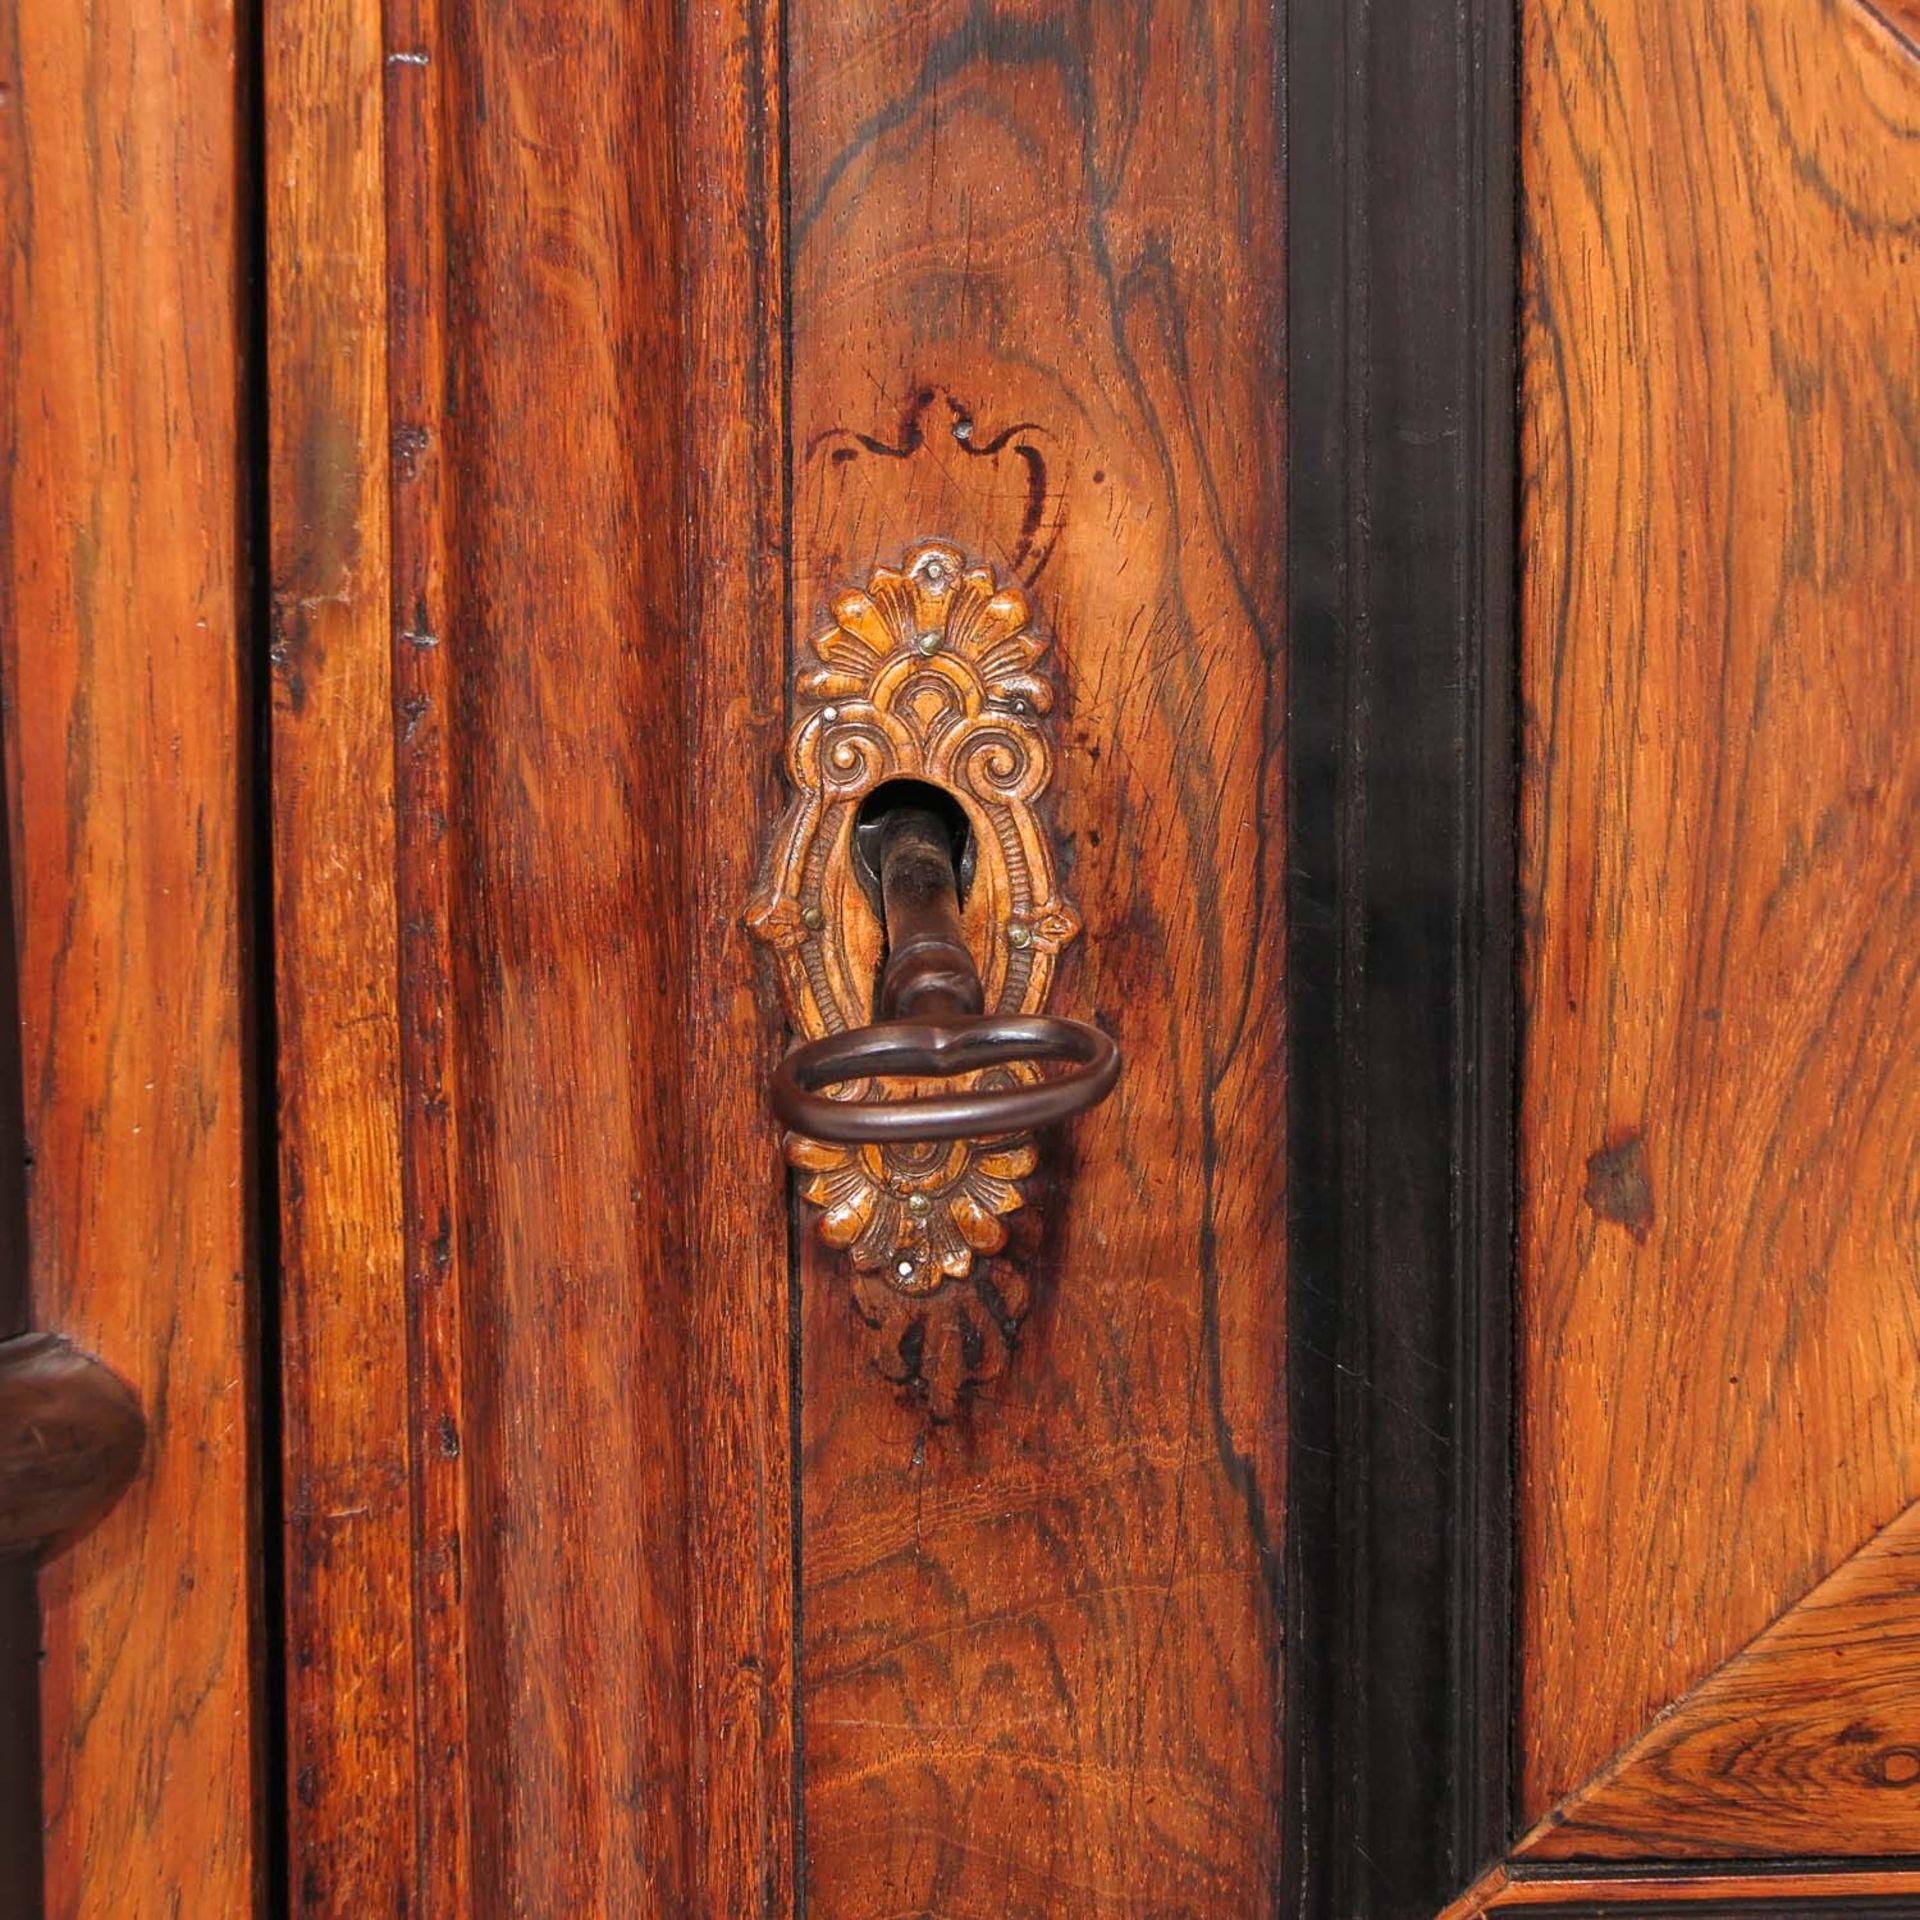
x: 71, y: 1436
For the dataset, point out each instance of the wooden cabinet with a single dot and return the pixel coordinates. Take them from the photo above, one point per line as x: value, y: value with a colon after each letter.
x: 1441, y: 1436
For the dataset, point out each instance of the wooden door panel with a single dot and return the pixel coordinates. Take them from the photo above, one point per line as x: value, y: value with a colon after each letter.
x: 1035, y: 311
x: 126, y: 606
x: 480, y: 784
x: 1721, y: 1346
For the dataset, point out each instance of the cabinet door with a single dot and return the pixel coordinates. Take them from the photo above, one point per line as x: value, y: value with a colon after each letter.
x: 632, y: 1531
x: 1440, y: 1435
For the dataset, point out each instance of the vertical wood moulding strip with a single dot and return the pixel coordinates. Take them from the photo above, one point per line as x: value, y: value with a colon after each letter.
x: 744, y: 1519
x: 564, y: 509
x: 421, y: 620
x: 124, y: 586
x: 255, y: 802
x: 1484, y: 1569
x: 347, y: 1463
x: 20, y: 1809
x: 1324, y: 1556
x: 1400, y: 153
x: 502, y: 736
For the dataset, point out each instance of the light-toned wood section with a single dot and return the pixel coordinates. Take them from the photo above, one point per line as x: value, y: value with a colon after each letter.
x: 1036, y: 312
x: 1818, y: 1895
x: 1808, y: 1737
x: 348, y: 1446
x: 125, y: 606
x: 1721, y: 1086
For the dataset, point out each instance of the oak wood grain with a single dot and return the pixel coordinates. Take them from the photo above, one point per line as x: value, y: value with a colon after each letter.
x: 742, y: 1807
x: 1721, y: 1372
x: 125, y: 619
x: 1805, y: 1742
x: 1035, y: 311
x: 484, y: 779
x: 353, y: 1763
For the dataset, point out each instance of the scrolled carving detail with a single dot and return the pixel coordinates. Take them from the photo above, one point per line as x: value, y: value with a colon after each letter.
x: 929, y: 673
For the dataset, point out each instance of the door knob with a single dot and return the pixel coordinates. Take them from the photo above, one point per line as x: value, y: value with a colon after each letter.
x: 71, y: 1437
x: 931, y: 1024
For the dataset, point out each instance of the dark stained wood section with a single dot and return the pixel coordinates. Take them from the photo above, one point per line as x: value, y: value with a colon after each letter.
x: 1399, y: 988
x: 125, y: 615
x: 480, y: 760
x: 71, y: 1436
x: 1721, y: 1091
x: 1036, y: 309
x: 743, y: 1805
x: 1806, y: 1742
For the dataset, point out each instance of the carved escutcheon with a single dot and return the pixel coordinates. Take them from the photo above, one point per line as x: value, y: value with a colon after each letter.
x: 929, y: 674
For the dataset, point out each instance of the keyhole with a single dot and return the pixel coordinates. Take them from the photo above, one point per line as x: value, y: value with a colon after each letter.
x: 921, y: 796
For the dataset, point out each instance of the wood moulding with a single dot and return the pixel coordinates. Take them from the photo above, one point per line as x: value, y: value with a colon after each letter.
x: 1400, y: 729
x: 742, y: 1504
x: 1810, y: 1892
x: 505, y: 1001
